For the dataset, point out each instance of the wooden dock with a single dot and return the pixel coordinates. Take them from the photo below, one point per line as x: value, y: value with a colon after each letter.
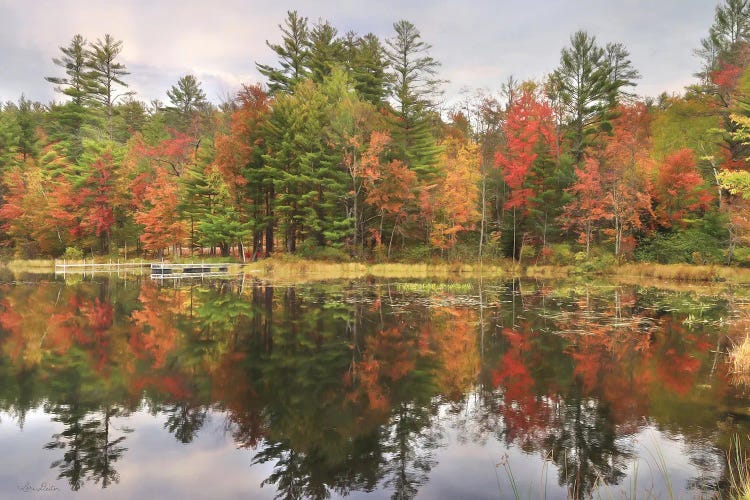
x: 165, y: 270
x: 158, y: 270
x: 112, y: 267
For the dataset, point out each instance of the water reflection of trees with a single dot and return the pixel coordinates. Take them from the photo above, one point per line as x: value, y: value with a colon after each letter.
x: 90, y: 443
x: 341, y: 388
x: 621, y: 363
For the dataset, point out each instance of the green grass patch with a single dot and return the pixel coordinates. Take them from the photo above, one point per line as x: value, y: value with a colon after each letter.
x: 434, y: 288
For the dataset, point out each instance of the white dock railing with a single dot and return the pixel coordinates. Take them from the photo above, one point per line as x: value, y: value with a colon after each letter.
x: 158, y: 270
x: 83, y: 267
x: 163, y: 270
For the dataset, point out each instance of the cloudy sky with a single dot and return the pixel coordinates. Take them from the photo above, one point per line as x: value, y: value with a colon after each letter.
x: 480, y: 43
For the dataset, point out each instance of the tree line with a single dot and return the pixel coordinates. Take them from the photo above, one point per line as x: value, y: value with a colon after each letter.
x: 347, y: 150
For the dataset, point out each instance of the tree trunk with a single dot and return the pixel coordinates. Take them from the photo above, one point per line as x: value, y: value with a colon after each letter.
x: 484, y: 211
x: 269, y: 222
x: 390, y: 242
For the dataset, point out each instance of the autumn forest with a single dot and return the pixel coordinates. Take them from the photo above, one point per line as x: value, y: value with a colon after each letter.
x: 349, y: 150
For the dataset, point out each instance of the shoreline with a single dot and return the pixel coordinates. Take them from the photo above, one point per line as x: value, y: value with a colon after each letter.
x: 286, y: 269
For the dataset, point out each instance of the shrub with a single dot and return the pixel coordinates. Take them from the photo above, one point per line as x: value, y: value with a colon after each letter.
x: 689, y: 246
x: 741, y: 256
x: 309, y: 250
x: 416, y: 253
x: 72, y: 253
x: 562, y: 254
x: 599, y: 260
x: 528, y: 252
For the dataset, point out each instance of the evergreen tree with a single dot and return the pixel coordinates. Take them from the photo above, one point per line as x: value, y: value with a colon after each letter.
x: 10, y: 134
x: 293, y: 55
x: 731, y: 26
x: 367, y: 67
x: 78, y: 83
x: 413, y: 86
x: 622, y: 73
x: 309, y: 182
x: 196, y: 199
x: 128, y: 118
x: 325, y: 51
x: 28, y: 119
x: 709, y: 53
x: 106, y: 74
x: 219, y: 224
x: 729, y: 32
x: 187, y: 99
x: 588, y: 83
x: 68, y: 118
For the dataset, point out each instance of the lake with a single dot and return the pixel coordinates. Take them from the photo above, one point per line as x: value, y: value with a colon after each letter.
x: 134, y: 388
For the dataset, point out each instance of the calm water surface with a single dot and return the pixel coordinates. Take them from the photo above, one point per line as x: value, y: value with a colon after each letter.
x: 131, y: 389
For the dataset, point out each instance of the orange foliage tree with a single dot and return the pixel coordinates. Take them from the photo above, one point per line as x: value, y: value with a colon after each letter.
x: 679, y: 189
x: 162, y: 226
x: 457, y: 192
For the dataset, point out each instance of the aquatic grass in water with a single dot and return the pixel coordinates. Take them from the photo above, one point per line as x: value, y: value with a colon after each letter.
x: 432, y: 288
x: 739, y: 358
x: 299, y: 271
x: 739, y: 471
x: 684, y: 272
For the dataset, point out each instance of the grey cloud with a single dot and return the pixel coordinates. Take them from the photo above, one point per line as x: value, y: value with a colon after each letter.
x: 479, y: 42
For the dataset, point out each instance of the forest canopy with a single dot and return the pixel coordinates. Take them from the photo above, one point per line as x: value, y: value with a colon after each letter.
x: 347, y: 150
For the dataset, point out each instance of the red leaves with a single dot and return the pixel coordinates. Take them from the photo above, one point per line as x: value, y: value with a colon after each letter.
x: 389, y: 185
x: 679, y: 188
x: 590, y: 205
x: 726, y: 76
x: 530, y: 130
x: 235, y: 150
x: 13, y: 208
x: 162, y: 225
x: 95, y: 197
x: 172, y: 153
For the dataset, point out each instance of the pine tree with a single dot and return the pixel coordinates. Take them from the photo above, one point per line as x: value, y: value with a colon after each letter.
x: 28, y: 119
x: 325, y: 51
x: 731, y: 27
x: 293, y: 55
x: 589, y: 82
x: 69, y: 118
x: 368, y: 69
x: 10, y: 134
x: 187, y: 99
x: 622, y: 73
x: 309, y: 182
x: 413, y: 86
x: 106, y: 73
x: 77, y: 85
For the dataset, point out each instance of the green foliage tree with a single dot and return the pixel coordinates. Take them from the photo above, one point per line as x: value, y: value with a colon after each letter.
x: 187, y: 99
x: 366, y: 64
x: 731, y: 26
x: 622, y: 73
x: 325, y: 51
x: 128, y: 118
x: 588, y: 82
x: 293, y: 54
x: 106, y: 75
x: 220, y: 224
x: 77, y: 83
x: 10, y: 134
x: 413, y: 86
x: 68, y: 118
